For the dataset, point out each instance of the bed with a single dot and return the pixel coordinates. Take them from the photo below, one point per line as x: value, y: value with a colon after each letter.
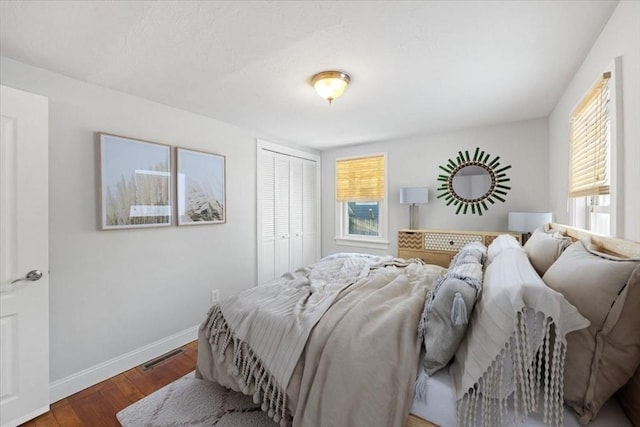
x: 349, y: 340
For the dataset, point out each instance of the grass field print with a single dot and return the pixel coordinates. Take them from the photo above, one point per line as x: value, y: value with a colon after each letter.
x: 135, y: 183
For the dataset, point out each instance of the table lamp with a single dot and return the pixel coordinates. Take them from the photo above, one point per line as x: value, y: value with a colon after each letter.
x: 414, y: 196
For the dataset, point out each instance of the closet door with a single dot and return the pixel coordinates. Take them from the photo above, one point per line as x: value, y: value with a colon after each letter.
x: 296, y: 213
x: 282, y: 216
x: 267, y: 219
x: 288, y: 218
x: 310, y: 220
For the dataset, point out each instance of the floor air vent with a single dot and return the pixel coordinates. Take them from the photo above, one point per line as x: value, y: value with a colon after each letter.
x: 153, y: 362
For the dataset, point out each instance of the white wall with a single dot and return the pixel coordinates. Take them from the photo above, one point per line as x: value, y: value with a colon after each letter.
x: 414, y: 162
x: 113, y: 292
x: 620, y: 37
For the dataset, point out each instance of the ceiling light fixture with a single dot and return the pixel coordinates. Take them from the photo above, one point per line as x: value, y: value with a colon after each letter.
x: 330, y: 84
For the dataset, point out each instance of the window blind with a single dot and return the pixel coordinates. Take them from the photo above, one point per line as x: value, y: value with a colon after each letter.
x: 360, y: 179
x: 589, y: 149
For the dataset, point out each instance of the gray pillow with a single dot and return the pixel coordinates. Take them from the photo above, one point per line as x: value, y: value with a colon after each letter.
x: 471, y: 252
x: 544, y: 248
x: 445, y: 324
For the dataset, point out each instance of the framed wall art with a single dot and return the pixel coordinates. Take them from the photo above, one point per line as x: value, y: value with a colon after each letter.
x: 135, y: 183
x: 200, y: 188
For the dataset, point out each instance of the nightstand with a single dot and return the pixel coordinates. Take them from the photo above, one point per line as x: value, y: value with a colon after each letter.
x: 439, y: 246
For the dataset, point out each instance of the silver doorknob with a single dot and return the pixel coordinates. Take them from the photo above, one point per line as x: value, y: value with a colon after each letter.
x: 33, y: 275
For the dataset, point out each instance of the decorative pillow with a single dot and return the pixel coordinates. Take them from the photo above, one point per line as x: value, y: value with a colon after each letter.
x: 499, y: 244
x: 471, y: 252
x: 448, y: 306
x: 603, y: 357
x: 448, y: 310
x: 629, y: 396
x: 544, y: 248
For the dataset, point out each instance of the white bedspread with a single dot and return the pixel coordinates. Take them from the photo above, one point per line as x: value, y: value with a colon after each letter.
x: 439, y: 407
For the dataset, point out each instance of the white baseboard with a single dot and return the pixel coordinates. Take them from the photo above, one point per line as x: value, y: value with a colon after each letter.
x: 25, y: 418
x: 67, y: 386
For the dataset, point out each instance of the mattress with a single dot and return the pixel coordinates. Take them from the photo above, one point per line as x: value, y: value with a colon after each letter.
x: 439, y: 407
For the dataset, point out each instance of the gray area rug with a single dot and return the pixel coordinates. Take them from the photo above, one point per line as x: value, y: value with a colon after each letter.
x: 189, y: 401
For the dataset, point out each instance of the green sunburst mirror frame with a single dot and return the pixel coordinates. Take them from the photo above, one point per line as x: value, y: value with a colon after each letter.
x: 470, y: 182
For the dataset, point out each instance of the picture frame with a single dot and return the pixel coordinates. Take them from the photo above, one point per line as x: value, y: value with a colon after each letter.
x: 200, y: 187
x: 135, y: 183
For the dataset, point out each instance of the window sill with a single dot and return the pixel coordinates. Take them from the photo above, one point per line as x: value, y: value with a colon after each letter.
x: 362, y: 243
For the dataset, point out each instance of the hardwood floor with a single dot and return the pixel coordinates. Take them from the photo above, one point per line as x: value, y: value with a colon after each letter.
x: 98, y: 405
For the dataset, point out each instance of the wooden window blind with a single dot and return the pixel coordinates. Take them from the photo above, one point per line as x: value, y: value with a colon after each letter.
x: 360, y: 179
x: 589, y: 149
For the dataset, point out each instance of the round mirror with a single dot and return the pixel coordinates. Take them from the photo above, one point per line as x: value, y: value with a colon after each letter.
x: 470, y: 181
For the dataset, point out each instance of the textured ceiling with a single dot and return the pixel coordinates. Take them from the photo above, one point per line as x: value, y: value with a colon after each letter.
x: 416, y: 67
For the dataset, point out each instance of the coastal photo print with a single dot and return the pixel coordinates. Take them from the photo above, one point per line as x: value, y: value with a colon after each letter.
x: 200, y: 187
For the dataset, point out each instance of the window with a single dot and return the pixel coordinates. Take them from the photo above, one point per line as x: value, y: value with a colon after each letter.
x: 592, y: 213
x: 363, y: 218
x: 361, y: 202
x: 591, y: 160
x: 590, y: 148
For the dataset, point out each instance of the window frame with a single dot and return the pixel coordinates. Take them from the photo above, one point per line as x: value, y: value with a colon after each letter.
x: 581, y: 208
x: 342, y: 237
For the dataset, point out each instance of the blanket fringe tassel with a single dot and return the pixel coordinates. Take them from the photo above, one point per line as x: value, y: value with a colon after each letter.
x: 246, y: 368
x: 484, y: 404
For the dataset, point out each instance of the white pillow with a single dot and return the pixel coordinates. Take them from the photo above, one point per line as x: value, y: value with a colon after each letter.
x: 544, y: 248
x: 516, y: 313
x: 500, y: 244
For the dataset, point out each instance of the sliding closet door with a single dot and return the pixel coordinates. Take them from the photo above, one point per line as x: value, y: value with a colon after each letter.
x: 267, y: 218
x: 310, y: 219
x: 288, y: 219
x: 296, y: 212
x: 282, y: 215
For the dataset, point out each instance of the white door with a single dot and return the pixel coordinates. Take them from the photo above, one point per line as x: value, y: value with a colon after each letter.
x: 24, y: 304
x: 309, y: 213
x: 288, y: 210
x: 295, y: 213
x: 282, y: 215
x: 267, y: 209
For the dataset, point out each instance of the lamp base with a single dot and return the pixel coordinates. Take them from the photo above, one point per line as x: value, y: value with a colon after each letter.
x: 414, y: 217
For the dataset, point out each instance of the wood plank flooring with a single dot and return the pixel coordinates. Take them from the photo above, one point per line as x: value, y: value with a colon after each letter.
x: 98, y: 405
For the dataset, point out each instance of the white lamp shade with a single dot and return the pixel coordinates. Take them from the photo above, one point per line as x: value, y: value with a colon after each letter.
x: 414, y: 195
x: 526, y: 222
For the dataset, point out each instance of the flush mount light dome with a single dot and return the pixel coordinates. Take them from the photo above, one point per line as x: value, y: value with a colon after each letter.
x: 330, y: 84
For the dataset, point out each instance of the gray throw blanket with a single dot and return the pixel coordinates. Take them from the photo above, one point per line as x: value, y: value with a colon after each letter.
x: 268, y: 326
x: 360, y: 359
